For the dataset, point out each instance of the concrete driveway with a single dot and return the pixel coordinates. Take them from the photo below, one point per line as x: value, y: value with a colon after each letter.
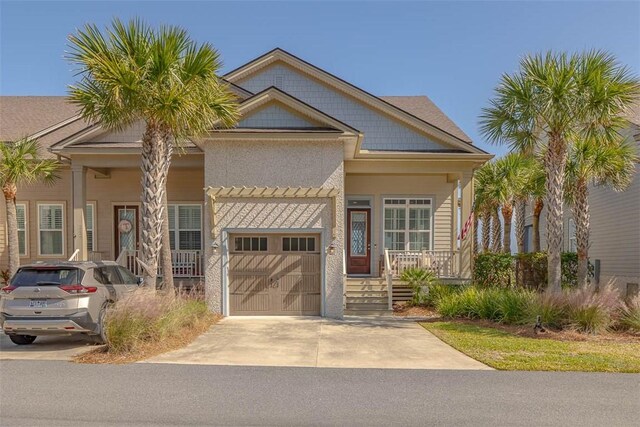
x: 316, y: 342
x: 45, y: 348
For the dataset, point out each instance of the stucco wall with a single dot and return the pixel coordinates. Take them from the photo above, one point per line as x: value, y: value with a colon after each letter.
x: 381, y: 132
x: 380, y: 186
x: 275, y: 164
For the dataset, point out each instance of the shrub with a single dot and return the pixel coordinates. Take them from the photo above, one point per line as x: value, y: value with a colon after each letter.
x: 531, y: 270
x: 550, y: 307
x: 420, y: 280
x: 493, y: 269
x: 592, y: 312
x: 439, y: 291
x: 630, y: 315
x: 146, y: 317
x: 459, y: 304
x: 514, y: 306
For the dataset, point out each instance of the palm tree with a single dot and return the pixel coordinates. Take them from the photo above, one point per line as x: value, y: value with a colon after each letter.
x: 135, y: 73
x: 510, y: 182
x: 487, y: 199
x: 593, y: 163
x: 21, y: 164
x: 543, y: 106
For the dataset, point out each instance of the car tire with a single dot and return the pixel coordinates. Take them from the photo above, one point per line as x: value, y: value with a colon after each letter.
x: 101, y: 337
x: 22, y: 339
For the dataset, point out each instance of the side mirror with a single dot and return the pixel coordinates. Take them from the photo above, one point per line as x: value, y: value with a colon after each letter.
x: 140, y: 281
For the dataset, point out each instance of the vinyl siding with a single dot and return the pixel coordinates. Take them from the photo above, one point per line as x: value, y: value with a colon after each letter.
x: 274, y: 116
x: 381, y: 132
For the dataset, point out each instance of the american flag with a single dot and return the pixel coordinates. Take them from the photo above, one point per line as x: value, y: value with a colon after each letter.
x: 466, y: 227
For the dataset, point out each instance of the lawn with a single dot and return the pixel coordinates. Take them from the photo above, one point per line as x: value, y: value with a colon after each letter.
x: 506, y: 351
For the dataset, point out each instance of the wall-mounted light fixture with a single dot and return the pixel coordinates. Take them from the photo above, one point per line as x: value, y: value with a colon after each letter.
x: 215, y: 247
x: 331, y: 249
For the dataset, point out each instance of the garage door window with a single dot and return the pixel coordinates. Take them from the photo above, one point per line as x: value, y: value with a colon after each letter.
x: 250, y: 244
x: 298, y: 244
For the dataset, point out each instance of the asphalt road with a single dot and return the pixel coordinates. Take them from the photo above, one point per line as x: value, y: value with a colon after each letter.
x: 61, y: 393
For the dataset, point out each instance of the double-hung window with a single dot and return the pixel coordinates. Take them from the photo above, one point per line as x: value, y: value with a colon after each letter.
x: 185, y: 227
x: 21, y: 213
x: 408, y: 224
x: 51, y: 229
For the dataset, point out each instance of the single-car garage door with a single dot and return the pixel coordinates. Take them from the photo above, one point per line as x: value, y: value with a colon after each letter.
x: 274, y: 274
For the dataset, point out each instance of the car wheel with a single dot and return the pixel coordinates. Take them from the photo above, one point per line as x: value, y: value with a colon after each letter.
x: 101, y: 337
x: 22, y: 339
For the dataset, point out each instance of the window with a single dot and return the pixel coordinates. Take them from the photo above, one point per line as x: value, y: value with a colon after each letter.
x: 51, y: 229
x: 572, y: 236
x: 298, y: 244
x: 21, y: 213
x: 250, y: 244
x: 407, y: 224
x: 90, y: 221
x: 185, y: 227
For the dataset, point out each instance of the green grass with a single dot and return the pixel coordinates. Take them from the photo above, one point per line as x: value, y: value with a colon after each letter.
x: 505, y: 351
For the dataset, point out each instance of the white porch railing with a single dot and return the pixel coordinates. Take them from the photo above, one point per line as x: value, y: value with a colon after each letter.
x: 389, y: 276
x: 185, y: 263
x: 445, y: 264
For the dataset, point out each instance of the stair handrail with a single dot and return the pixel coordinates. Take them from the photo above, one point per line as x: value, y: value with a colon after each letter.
x: 74, y: 256
x: 389, y: 274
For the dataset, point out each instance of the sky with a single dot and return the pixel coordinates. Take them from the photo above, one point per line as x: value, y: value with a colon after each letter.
x: 454, y: 52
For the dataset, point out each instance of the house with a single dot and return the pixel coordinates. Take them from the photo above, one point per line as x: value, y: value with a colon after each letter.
x: 319, y: 197
x: 615, y: 227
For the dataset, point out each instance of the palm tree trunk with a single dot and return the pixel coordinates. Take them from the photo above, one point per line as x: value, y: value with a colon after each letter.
x: 496, y: 231
x: 165, y: 251
x: 486, y: 231
x: 153, y: 187
x: 10, y: 191
x: 521, y: 210
x: 581, y: 218
x: 537, y: 211
x: 555, y: 161
x: 475, y: 234
x: 507, y: 214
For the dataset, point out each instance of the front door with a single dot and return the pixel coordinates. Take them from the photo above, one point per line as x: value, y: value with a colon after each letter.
x: 358, y: 241
x: 126, y: 228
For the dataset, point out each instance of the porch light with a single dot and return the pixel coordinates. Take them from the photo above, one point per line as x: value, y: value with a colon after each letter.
x: 331, y: 249
x: 215, y: 247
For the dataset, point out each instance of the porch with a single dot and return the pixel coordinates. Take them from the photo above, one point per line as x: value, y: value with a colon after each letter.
x: 186, y: 264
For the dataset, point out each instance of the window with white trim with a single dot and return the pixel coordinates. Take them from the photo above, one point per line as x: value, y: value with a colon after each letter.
x: 90, y: 225
x: 185, y: 227
x: 21, y: 213
x: 408, y: 224
x: 51, y: 229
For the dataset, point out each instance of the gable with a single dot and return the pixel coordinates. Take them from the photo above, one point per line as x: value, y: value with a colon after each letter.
x: 381, y: 132
x: 275, y: 116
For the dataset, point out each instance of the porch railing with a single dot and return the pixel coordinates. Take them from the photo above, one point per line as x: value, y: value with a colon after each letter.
x: 445, y: 264
x: 185, y: 263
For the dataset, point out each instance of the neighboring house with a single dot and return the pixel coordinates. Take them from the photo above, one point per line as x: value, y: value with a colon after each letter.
x: 320, y: 190
x: 615, y: 227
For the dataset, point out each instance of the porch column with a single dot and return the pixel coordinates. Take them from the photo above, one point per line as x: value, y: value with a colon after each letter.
x: 466, y: 245
x: 79, y: 188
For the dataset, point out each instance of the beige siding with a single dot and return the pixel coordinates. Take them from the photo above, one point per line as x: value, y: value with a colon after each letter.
x: 123, y: 186
x: 380, y: 186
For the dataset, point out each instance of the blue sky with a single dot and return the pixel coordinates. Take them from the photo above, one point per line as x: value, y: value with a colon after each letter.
x: 454, y: 52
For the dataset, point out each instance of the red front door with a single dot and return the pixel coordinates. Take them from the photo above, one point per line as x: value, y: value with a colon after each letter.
x: 358, y: 241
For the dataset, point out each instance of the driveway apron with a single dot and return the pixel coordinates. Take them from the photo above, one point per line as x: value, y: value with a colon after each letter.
x: 316, y: 342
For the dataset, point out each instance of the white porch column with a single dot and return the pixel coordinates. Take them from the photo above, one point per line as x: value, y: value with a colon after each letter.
x: 79, y: 188
x: 466, y: 245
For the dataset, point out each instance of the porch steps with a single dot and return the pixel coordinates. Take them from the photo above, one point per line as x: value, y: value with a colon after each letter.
x: 366, y: 296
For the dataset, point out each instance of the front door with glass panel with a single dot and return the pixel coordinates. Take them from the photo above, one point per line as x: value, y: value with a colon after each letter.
x: 358, y: 241
x: 126, y: 228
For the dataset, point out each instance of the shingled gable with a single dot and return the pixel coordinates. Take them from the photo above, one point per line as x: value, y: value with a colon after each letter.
x: 440, y: 126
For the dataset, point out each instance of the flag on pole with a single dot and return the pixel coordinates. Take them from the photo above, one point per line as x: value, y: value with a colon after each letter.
x: 466, y: 227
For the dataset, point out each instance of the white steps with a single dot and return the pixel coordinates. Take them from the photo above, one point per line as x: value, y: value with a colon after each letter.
x: 366, y: 296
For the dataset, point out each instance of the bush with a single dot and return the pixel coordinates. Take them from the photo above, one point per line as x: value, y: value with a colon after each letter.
x: 493, y: 269
x: 630, y: 315
x: 439, y: 291
x: 514, y: 306
x: 420, y: 281
x: 531, y: 270
x: 146, y: 317
x: 592, y: 312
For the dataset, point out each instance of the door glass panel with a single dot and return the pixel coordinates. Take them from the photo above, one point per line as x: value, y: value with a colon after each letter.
x: 127, y: 229
x: 358, y: 234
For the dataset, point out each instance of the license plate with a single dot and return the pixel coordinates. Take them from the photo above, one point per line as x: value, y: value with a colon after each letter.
x: 38, y: 303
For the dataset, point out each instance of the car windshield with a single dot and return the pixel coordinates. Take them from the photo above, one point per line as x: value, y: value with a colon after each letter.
x: 47, y: 276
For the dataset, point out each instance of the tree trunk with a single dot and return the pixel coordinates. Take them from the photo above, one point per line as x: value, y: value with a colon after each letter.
x: 537, y: 211
x: 486, y: 231
x: 507, y: 215
x: 475, y: 234
x: 521, y: 210
x: 581, y: 218
x: 555, y: 160
x: 10, y: 191
x: 153, y: 187
x: 165, y: 251
x: 496, y: 231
